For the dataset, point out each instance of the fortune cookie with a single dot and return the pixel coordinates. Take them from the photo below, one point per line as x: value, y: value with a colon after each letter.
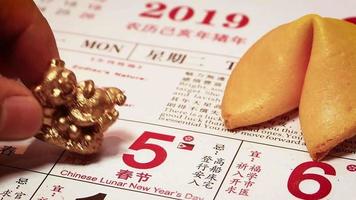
x: 310, y: 63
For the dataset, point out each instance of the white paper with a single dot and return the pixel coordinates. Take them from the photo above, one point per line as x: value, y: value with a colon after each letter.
x: 172, y: 59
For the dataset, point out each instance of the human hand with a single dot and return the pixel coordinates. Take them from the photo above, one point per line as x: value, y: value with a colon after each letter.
x: 26, y: 47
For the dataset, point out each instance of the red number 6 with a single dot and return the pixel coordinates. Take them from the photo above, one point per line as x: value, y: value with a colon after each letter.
x: 298, y: 175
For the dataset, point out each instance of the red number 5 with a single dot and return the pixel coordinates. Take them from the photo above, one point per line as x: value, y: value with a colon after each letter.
x: 298, y: 175
x: 141, y: 143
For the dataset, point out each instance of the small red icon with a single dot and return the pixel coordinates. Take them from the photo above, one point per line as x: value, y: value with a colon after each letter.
x: 188, y: 138
x: 351, y: 168
x: 185, y: 146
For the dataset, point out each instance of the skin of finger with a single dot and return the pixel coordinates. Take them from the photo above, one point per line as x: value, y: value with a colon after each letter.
x: 25, y: 120
x: 29, y: 42
x: 15, y: 17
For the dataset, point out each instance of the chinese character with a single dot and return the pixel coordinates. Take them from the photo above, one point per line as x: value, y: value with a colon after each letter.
x: 87, y: 15
x: 208, y: 185
x: 255, y: 154
x: 235, y: 181
x: 21, y: 181
x: 143, y: 176
x: 95, y: 6
x: 70, y: 3
x: 195, y: 182
x: 198, y: 174
x: 221, y: 37
x: 251, y: 175
x: 219, y: 161
x: 211, y: 177
x: 176, y: 58
x: 133, y: 25
x: 124, y: 174
x: 185, y: 33
x: 238, y: 173
x: 155, y: 55
x: 18, y: 195
x: 207, y: 159
x: 202, y: 166
x: 215, y: 169
x: 6, y: 193
x: 238, y: 40
x: 57, y: 188
x: 219, y: 147
x: 150, y: 28
x: 244, y: 192
x: 231, y: 189
x: 242, y: 166
x: 249, y: 183
x: 202, y: 34
x: 255, y: 168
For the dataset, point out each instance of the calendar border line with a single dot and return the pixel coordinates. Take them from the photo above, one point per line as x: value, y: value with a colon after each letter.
x: 22, y: 169
x: 60, y: 156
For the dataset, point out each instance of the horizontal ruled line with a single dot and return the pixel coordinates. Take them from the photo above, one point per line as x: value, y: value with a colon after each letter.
x: 227, y: 137
x: 104, y: 185
x: 152, y: 45
x: 142, y: 62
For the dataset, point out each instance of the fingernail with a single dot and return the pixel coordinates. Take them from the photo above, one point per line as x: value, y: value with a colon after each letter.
x: 20, y: 117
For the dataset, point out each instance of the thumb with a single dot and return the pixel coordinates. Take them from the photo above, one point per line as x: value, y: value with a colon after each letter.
x: 20, y: 112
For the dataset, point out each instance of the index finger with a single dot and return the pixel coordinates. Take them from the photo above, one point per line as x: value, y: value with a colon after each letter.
x: 27, y: 43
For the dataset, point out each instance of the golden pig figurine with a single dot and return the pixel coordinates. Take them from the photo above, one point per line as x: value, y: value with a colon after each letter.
x: 75, y: 114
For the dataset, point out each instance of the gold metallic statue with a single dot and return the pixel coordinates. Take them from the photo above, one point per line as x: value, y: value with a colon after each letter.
x: 75, y: 114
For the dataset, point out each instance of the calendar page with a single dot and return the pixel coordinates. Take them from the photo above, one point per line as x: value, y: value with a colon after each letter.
x: 172, y: 59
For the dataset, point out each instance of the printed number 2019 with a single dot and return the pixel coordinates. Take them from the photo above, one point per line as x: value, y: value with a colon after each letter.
x: 184, y: 13
x: 298, y: 175
x: 142, y: 143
